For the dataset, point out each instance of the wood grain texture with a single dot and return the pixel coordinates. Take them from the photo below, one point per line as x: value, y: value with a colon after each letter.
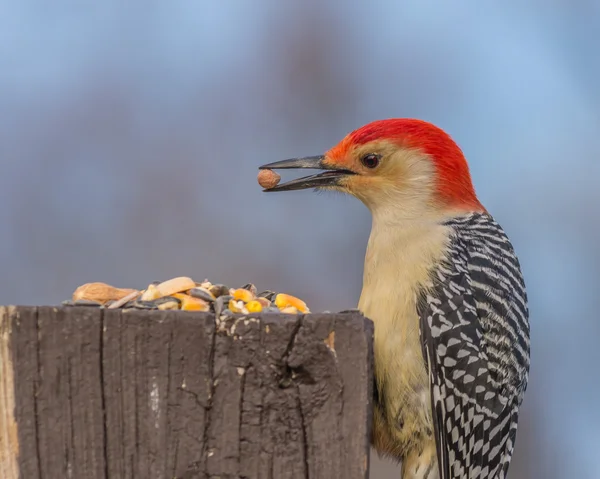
x: 150, y: 394
x: 9, y: 444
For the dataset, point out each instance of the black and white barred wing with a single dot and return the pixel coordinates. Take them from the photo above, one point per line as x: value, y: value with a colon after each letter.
x: 478, y: 366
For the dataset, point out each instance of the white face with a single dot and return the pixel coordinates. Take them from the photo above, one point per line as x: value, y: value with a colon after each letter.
x: 391, y: 181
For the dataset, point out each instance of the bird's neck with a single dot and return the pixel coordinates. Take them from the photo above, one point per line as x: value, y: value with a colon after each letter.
x: 402, y: 243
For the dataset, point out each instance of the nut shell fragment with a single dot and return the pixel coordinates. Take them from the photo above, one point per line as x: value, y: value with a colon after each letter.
x: 237, y: 306
x: 204, y: 284
x: 100, y: 292
x: 151, y: 293
x: 125, y: 299
x: 175, y: 285
x: 268, y: 178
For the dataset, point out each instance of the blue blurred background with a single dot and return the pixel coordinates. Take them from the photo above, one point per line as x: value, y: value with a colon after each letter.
x: 130, y: 138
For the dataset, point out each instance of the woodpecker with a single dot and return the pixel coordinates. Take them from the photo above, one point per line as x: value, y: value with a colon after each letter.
x: 444, y: 288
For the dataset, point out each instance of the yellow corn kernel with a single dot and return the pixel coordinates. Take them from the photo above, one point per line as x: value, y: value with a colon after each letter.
x: 243, y: 295
x: 284, y: 300
x: 254, y: 306
x: 188, y: 303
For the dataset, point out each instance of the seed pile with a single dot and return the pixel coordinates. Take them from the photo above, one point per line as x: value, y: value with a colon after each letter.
x: 186, y: 294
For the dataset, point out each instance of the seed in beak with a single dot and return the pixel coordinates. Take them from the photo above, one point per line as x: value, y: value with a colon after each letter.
x: 268, y: 179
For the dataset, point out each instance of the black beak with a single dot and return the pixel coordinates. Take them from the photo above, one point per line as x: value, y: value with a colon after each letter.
x: 330, y: 177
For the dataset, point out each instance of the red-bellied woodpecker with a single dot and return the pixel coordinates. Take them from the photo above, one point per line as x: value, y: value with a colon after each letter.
x: 443, y: 285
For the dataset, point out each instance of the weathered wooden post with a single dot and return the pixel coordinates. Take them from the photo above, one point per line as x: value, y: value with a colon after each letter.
x: 89, y: 393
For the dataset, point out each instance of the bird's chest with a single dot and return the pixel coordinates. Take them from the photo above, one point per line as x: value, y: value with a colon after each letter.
x: 396, y: 271
x: 390, y: 300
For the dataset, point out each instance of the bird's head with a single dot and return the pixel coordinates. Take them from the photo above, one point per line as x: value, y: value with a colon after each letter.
x: 403, y: 167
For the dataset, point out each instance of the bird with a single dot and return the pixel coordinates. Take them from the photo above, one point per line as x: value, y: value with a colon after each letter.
x: 444, y: 288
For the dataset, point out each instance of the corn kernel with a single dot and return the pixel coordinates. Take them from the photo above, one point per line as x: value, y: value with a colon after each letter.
x: 243, y: 295
x: 284, y: 300
x: 189, y: 303
x: 254, y: 306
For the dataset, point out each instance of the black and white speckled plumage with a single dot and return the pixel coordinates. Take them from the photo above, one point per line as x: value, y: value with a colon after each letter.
x: 475, y: 334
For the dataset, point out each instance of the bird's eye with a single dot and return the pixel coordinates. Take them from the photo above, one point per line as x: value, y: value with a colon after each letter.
x: 371, y: 160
